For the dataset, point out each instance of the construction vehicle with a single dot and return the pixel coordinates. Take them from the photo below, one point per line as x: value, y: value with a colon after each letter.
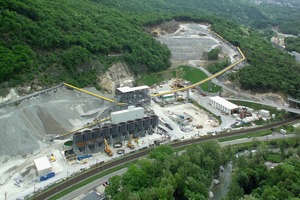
x: 107, y: 149
x: 52, y: 158
x: 136, y: 140
x: 129, y: 144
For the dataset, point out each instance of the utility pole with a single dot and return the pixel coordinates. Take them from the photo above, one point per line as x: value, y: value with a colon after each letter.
x: 5, y: 194
x: 238, y: 86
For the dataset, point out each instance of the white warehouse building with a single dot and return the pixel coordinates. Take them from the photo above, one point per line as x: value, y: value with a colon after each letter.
x: 43, y: 166
x: 222, y: 104
x: 131, y: 113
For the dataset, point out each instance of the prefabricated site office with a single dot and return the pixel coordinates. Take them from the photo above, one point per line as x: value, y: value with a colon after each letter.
x: 223, y: 104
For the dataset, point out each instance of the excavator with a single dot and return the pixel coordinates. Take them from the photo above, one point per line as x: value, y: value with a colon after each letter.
x: 129, y: 144
x: 107, y: 149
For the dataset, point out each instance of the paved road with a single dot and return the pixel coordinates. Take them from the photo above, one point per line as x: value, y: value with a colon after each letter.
x: 263, y: 138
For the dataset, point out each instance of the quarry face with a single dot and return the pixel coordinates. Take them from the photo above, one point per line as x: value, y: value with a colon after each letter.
x: 191, y: 41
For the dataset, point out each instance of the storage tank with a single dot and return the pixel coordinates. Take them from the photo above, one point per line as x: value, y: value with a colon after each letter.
x: 147, y: 122
x: 68, y: 145
x: 77, y: 137
x: 154, y: 121
x: 114, y: 130
x: 131, y: 126
x: 123, y: 128
x: 106, y: 131
x: 139, y: 124
x: 81, y: 149
x: 96, y: 133
x: 91, y: 145
x: 87, y: 135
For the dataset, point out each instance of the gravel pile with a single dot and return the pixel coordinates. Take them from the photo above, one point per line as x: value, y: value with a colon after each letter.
x: 49, y: 113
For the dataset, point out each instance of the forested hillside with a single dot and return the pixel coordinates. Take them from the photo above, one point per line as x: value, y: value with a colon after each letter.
x: 75, y: 41
x: 65, y: 40
x: 282, y: 13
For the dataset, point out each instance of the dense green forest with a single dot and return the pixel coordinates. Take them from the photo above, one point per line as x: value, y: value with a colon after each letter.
x: 292, y: 44
x: 285, y: 17
x: 75, y: 41
x: 252, y: 177
x: 167, y: 175
x: 71, y: 40
x: 217, y: 66
x: 188, y: 175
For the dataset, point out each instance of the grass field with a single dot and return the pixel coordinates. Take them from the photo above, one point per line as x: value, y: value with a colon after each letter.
x: 185, y: 72
x: 254, y: 134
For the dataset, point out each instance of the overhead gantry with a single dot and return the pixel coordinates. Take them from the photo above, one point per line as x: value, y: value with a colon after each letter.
x: 205, y: 80
x: 93, y: 94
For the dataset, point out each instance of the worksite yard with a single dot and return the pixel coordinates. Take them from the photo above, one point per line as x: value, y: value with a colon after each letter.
x: 29, y: 126
x: 199, y: 118
x: 18, y: 174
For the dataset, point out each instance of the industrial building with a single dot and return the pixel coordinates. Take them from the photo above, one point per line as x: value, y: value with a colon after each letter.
x: 92, y: 141
x: 131, y: 113
x: 168, y: 97
x: 223, y: 105
x: 43, y: 166
x: 133, y: 95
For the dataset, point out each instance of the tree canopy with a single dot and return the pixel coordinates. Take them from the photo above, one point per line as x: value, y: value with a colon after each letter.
x: 167, y: 175
x: 254, y: 179
x: 75, y: 41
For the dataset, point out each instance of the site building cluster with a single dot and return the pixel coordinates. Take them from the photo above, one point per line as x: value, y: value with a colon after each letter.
x: 132, y: 121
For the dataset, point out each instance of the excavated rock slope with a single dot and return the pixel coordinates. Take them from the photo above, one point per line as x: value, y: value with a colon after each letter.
x: 116, y: 75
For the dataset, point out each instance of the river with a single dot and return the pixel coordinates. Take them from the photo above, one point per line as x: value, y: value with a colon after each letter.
x: 220, y: 190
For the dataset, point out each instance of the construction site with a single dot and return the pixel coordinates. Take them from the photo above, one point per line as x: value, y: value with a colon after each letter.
x: 69, y: 129
x: 139, y: 121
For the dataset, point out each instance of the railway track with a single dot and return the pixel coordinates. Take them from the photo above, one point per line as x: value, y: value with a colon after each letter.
x: 74, y: 180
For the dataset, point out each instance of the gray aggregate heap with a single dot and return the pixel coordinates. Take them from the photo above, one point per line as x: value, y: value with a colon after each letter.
x: 21, y: 126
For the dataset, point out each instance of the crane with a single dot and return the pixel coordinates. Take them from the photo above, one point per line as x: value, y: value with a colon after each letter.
x: 107, y: 149
x: 129, y: 144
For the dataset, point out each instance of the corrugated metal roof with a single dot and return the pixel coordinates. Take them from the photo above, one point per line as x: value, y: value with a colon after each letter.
x: 224, y: 102
x: 42, y: 163
x: 131, y: 89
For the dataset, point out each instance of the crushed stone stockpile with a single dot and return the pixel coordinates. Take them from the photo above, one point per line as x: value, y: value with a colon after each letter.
x: 49, y: 113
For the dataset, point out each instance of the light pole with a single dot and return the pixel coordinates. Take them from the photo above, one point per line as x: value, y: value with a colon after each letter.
x: 33, y: 190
